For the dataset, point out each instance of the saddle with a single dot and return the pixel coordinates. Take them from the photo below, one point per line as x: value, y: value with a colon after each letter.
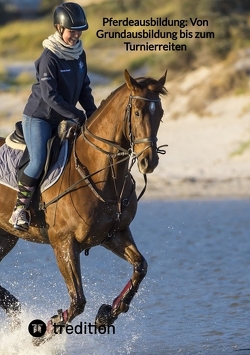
x: 17, y: 135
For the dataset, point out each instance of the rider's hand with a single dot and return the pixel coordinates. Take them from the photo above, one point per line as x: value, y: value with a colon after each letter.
x: 82, y: 118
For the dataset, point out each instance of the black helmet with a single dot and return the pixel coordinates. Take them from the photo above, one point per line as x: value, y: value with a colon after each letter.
x: 70, y: 15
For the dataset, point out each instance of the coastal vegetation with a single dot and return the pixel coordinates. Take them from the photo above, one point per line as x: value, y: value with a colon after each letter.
x: 215, y: 65
x: 227, y: 23
x: 222, y: 43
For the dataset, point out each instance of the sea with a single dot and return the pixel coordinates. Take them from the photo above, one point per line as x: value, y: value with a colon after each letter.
x: 194, y: 300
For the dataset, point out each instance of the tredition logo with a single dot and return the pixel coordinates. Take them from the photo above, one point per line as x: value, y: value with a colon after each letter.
x: 37, y: 328
x: 84, y: 328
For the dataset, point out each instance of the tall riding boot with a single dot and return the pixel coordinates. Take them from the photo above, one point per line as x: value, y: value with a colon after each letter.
x: 21, y: 215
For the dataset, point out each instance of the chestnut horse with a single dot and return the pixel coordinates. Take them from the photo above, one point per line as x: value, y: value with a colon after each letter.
x: 94, y: 201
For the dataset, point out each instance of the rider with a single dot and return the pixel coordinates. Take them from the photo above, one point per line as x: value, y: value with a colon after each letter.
x: 62, y: 81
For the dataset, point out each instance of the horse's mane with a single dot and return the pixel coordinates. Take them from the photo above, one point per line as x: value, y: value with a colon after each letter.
x: 145, y: 82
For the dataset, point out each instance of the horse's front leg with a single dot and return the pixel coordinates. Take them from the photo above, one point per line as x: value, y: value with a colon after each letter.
x: 123, y: 245
x: 68, y: 259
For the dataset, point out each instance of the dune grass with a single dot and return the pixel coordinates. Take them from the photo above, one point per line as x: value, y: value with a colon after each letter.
x: 22, y: 40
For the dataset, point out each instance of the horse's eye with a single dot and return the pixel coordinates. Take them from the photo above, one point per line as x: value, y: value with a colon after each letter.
x: 137, y: 113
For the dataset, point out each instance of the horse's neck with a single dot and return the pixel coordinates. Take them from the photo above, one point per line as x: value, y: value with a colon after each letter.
x: 108, y: 120
x: 107, y: 123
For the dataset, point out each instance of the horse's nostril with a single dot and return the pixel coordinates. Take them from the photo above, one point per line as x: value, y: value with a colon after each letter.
x: 144, y: 163
x: 147, y: 164
x: 145, y: 167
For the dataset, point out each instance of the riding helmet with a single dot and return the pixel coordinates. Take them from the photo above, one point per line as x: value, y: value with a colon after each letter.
x: 71, y: 16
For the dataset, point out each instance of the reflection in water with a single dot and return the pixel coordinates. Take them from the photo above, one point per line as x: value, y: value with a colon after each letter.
x: 194, y: 300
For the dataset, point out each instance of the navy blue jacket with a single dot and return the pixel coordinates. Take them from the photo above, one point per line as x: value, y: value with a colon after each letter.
x: 60, y: 85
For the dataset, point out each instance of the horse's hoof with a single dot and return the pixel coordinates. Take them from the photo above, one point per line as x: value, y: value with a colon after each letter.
x: 104, y: 316
x: 49, y: 333
x: 41, y: 340
x: 55, y: 326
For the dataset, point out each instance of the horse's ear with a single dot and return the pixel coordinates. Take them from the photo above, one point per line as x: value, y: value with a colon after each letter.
x: 162, y: 80
x: 131, y: 82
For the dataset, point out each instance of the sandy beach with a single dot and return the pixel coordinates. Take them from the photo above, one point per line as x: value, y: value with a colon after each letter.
x: 203, y: 158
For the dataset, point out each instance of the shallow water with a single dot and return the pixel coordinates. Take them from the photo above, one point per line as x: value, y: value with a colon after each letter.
x: 194, y: 300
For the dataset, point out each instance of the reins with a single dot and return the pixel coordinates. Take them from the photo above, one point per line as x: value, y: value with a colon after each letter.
x: 43, y: 206
x: 127, y: 153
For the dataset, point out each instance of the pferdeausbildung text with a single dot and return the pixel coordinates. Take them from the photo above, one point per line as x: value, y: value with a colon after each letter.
x: 83, y: 328
x: 167, y: 31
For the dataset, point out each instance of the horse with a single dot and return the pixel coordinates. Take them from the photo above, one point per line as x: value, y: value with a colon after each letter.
x: 94, y: 201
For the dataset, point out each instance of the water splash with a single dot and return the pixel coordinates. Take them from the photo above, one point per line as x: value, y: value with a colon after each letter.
x: 19, y: 341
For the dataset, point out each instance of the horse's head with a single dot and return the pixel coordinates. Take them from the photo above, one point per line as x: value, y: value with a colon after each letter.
x: 143, y: 117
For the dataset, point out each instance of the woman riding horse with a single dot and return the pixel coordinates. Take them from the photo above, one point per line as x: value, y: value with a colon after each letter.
x: 62, y: 81
x: 94, y: 201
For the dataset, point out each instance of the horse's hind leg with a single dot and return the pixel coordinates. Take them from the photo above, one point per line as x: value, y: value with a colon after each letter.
x: 7, y: 301
x: 7, y: 243
x: 123, y: 245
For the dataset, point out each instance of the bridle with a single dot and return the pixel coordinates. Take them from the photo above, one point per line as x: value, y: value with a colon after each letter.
x: 127, y: 128
x: 132, y: 140
x: 127, y: 153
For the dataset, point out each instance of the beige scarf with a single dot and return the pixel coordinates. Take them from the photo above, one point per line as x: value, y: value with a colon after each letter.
x: 62, y: 50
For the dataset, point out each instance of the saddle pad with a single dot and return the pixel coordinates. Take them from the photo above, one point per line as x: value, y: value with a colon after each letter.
x: 10, y: 159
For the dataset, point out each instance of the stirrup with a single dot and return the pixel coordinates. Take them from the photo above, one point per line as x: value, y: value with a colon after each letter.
x: 20, y: 219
